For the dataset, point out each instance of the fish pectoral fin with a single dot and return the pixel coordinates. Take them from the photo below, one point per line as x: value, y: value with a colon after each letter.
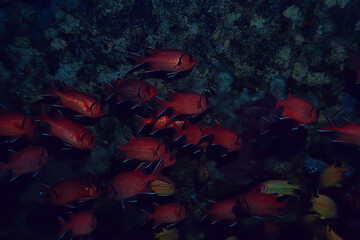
x: 172, y: 74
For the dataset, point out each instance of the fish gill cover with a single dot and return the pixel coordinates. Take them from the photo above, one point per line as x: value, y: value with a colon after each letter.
x: 149, y: 119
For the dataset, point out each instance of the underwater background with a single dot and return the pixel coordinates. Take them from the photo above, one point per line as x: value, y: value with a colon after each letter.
x: 249, y: 56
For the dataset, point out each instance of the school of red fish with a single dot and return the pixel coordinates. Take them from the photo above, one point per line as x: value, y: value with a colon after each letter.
x: 261, y: 201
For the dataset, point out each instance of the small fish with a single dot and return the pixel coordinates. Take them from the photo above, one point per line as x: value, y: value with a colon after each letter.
x: 169, y: 213
x: 349, y: 132
x: 279, y: 187
x: 355, y: 60
x: 332, y: 176
x: 81, y: 103
x: 189, y: 103
x: 193, y: 134
x: 162, y: 188
x: 225, y: 137
x: 147, y: 149
x: 168, y: 234
x: 71, y: 133
x: 298, y: 109
x: 135, y: 91
x: 128, y: 184
x: 172, y: 61
x: 28, y: 160
x: 14, y: 125
x: 324, y: 206
x: 157, y: 123
x: 65, y: 192
x: 222, y: 210
x: 260, y: 204
x: 82, y: 223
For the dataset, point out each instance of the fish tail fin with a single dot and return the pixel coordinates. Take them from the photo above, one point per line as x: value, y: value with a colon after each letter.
x: 329, y: 128
x: 148, y: 216
x: 110, y: 90
x: 164, y: 106
x: 139, y: 60
x: 53, y: 90
x: 280, y: 102
x: 64, y: 227
x: 143, y: 122
x: 44, y: 117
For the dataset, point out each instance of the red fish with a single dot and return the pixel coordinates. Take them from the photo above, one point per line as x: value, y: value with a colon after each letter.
x: 65, y: 192
x: 147, y: 149
x: 298, y: 109
x: 136, y: 91
x: 225, y: 137
x: 28, y: 160
x: 260, y: 204
x: 128, y: 184
x: 172, y: 61
x: 350, y: 132
x: 355, y: 60
x: 169, y: 213
x: 222, y: 211
x: 193, y: 134
x: 82, y: 223
x: 71, y: 133
x: 14, y: 125
x: 81, y: 103
x: 157, y: 123
x: 189, y: 103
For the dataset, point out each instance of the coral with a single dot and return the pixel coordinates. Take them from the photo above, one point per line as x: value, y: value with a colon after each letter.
x: 58, y: 43
x: 294, y: 14
x: 316, y: 79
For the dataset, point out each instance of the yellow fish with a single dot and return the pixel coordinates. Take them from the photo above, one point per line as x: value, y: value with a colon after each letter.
x: 163, y: 188
x: 281, y: 187
x: 167, y: 234
x: 332, y: 176
x: 324, y: 206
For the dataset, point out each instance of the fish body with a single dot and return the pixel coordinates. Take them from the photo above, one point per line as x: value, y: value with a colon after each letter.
x: 298, y: 109
x: 64, y: 192
x: 172, y: 61
x: 71, y: 133
x: 192, y: 132
x: 349, y: 132
x: 260, y: 204
x: 279, y: 187
x: 225, y: 137
x: 147, y: 149
x: 82, y: 223
x: 79, y: 102
x: 332, y: 176
x: 162, y: 188
x: 189, y: 103
x: 28, y: 160
x: 222, y: 211
x: 168, y: 234
x: 128, y: 184
x: 13, y: 124
x: 324, y: 206
x: 135, y: 91
x: 157, y: 123
x: 169, y: 213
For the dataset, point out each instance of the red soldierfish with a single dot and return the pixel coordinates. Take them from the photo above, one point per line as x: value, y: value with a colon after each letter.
x: 192, y: 132
x: 172, y: 61
x: 67, y: 191
x: 127, y: 184
x: 355, y: 60
x: 298, y: 109
x: 225, y: 137
x: 189, y: 103
x: 13, y: 124
x: 169, y: 213
x: 82, y: 223
x: 136, y: 91
x: 72, y: 133
x: 222, y: 211
x: 350, y: 132
x: 27, y: 160
x: 147, y: 149
x: 260, y: 204
x: 81, y: 103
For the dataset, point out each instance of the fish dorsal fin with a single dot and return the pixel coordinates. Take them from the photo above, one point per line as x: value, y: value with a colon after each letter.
x: 217, y: 125
x: 67, y: 88
x: 172, y: 92
x: 345, y: 121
